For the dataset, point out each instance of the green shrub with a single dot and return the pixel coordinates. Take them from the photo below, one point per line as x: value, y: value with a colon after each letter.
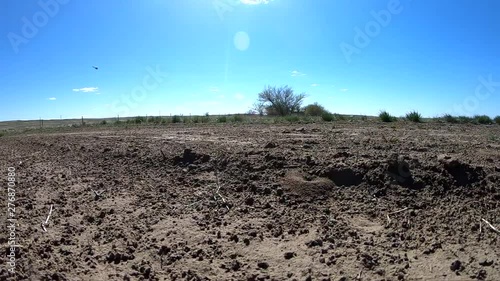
x: 292, y: 118
x: 2, y: 134
x: 176, y: 119
x: 155, y: 119
x: 414, y: 116
x: 238, y: 118
x: 314, y: 110
x: 450, y: 119
x: 483, y: 119
x: 222, y: 119
x: 339, y: 117
x: 104, y: 122
x: 364, y: 117
x: 386, y: 117
x: 464, y: 119
x: 139, y: 120
x: 497, y: 120
x: 327, y: 116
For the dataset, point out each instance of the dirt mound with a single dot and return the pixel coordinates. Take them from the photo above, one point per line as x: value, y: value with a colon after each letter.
x: 307, y: 186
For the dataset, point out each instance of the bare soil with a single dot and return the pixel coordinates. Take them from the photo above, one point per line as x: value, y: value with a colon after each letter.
x: 338, y: 201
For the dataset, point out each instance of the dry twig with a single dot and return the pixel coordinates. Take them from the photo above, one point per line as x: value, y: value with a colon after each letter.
x: 47, y: 220
x: 491, y: 226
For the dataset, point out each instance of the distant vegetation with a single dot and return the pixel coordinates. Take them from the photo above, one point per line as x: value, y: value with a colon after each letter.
x: 386, y: 117
x: 314, y: 110
x: 414, y: 116
x: 279, y: 101
x: 273, y: 105
x: 483, y: 119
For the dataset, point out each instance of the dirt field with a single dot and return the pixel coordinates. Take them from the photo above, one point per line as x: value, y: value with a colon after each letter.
x: 338, y: 201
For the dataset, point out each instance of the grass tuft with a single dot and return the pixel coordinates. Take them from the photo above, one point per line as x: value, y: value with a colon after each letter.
x: 414, y: 116
x: 450, y: 119
x: 386, y: 117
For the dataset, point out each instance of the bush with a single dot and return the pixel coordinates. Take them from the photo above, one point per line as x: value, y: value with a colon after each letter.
x: 386, y: 117
x: 238, y: 118
x: 327, y: 116
x: 414, y: 116
x: 139, y: 120
x: 176, y: 119
x: 222, y: 119
x: 314, y: 110
x: 103, y: 122
x: 292, y: 118
x: 339, y: 117
x: 450, y: 119
x: 280, y: 101
x: 497, y: 120
x: 364, y: 117
x: 483, y: 119
x: 155, y: 119
x: 464, y: 119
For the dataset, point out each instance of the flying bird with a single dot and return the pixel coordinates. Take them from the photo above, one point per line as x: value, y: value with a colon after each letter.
x: 95, y: 67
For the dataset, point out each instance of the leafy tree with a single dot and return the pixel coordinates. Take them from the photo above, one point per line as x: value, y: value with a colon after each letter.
x: 281, y: 101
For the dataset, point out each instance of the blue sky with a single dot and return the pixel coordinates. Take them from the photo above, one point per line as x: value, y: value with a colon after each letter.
x: 196, y: 56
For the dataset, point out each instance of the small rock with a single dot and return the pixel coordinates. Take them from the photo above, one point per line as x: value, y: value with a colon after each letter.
x: 263, y: 265
x: 456, y: 266
x: 486, y: 262
x: 235, y: 265
x: 270, y: 145
x: 289, y: 255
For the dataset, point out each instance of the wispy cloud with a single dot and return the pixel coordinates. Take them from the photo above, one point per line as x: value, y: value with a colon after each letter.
x: 87, y: 90
x: 344, y: 90
x: 239, y: 96
x: 314, y: 85
x: 52, y: 98
x: 255, y: 2
x: 296, y: 73
x: 214, y: 89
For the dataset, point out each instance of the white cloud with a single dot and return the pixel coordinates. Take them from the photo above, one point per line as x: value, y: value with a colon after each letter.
x: 314, y: 85
x: 344, y: 90
x: 296, y: 73
x: 221, y: 96
x: 255, y: 2
x: 239, y: 96
x: 87, y: 89
x: 52, y: 98
x: 214, y: 89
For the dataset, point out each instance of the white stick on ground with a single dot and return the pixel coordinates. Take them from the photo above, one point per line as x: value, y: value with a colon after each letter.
x: 491, y: 226
x: 47, y: 220
x: 399, y: 211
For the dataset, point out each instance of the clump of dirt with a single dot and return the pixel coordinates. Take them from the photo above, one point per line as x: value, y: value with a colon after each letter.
x: 307, y: 186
